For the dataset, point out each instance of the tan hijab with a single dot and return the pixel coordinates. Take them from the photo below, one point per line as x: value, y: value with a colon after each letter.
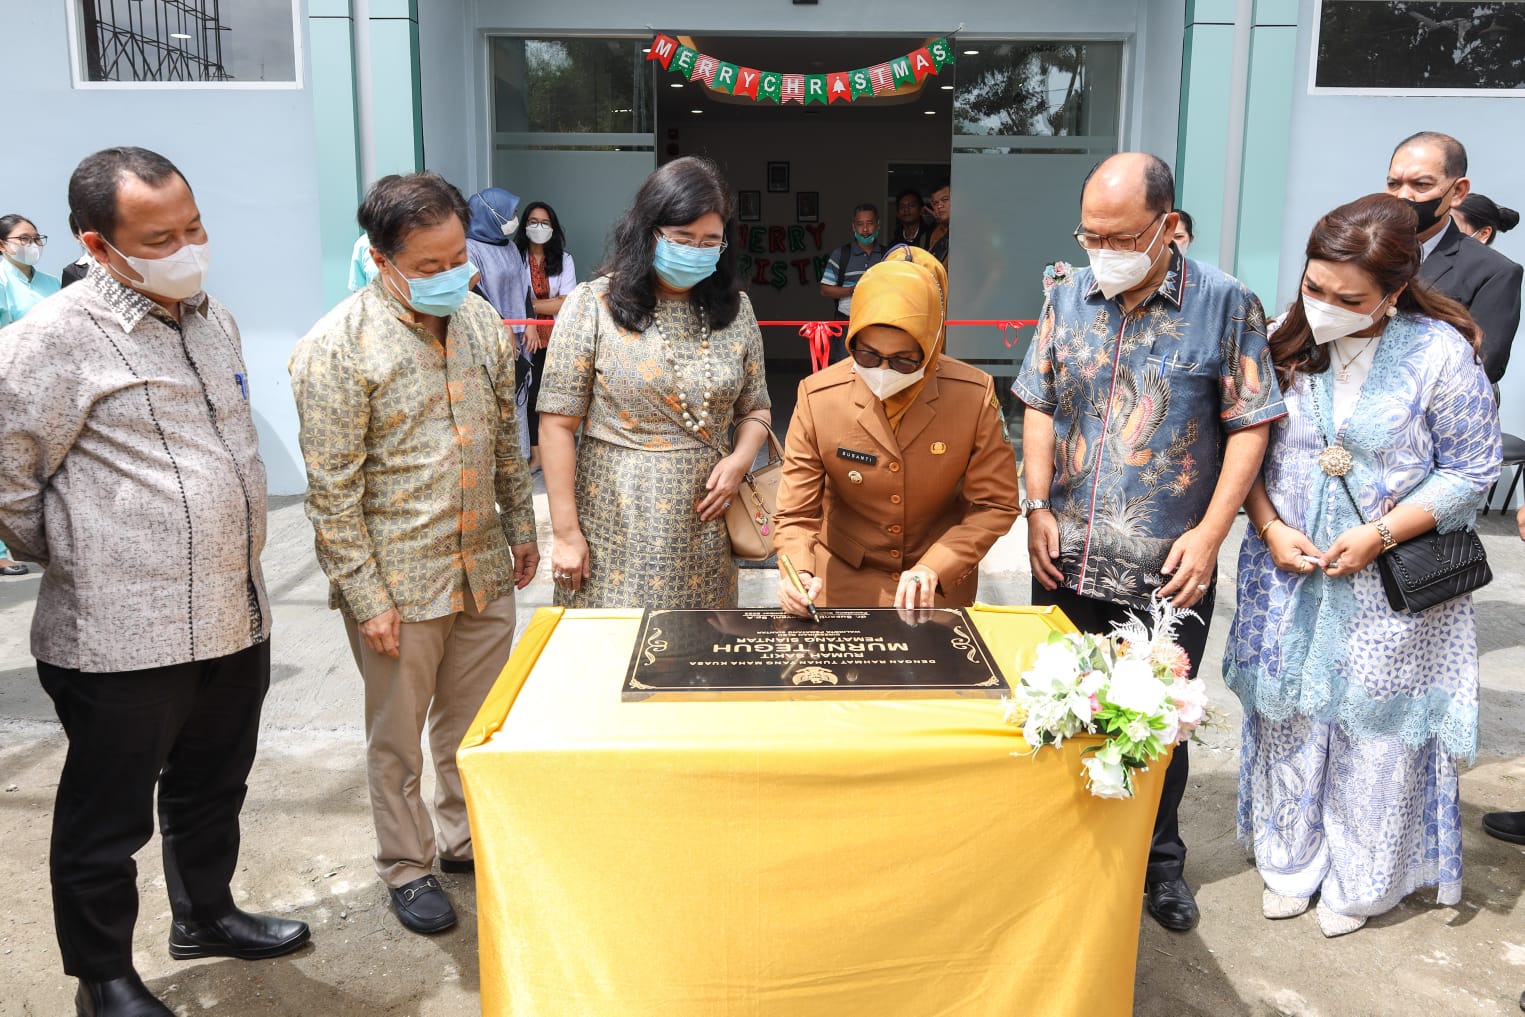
x: 908, y: 290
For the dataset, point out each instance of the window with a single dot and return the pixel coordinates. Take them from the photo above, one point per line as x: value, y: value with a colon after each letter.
x: 1420, y: 48
x: 228, y: 43
x: 1037, y: 89
x: 571, y: 86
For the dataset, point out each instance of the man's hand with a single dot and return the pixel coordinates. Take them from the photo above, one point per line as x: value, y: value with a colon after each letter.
x: 526, y: 561
x: 1190, y: 565
x: 1043, y: 548
x: 382, y: 633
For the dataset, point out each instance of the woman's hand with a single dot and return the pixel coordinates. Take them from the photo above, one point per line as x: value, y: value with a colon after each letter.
x: 789, y: 598
x: 1290, y: 549
x: 918, y: 587
x: 569, y: 560
x: 534, y: 339
x: 1352, y: 551
x: 721, y: 488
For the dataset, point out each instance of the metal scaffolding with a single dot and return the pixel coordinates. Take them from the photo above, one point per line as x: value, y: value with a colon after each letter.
x: 153, y: 40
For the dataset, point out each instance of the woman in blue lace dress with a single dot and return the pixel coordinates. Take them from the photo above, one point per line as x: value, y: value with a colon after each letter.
x: 1356, y: 715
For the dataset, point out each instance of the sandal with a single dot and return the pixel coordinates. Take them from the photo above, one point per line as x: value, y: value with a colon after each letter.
x: 14, y: 570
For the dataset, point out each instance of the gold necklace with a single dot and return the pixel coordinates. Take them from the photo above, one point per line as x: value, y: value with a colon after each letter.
x: 1343, y: 374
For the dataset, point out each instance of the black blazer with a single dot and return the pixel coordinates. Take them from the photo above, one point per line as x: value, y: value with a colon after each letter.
x: 1486, y: 283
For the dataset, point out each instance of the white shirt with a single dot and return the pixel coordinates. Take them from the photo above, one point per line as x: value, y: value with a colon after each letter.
x: 1428, y: 247
x: 1353, y: 356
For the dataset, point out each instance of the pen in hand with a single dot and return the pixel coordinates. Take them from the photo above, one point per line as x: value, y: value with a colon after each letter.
x: 799, y: 585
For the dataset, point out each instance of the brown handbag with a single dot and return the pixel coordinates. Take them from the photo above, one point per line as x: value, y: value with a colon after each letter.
x: 749, y: 520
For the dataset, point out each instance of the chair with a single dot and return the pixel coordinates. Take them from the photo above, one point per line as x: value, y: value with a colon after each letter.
x: 1514, y: 455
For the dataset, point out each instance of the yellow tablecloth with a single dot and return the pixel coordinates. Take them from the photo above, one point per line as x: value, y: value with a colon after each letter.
x: 788, y: 859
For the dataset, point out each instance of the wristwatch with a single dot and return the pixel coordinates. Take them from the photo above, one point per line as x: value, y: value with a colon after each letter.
x: 1031, y: 505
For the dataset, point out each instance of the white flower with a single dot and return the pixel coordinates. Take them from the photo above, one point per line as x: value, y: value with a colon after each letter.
x: 1172, y: 730
x: 1107, y: 779
x: 1190, y: 699
x: 1055, y: 667
x: 1134, y: 687
x: 1079, y: 705
x: 1092, y: 681
x: 1137, y: 730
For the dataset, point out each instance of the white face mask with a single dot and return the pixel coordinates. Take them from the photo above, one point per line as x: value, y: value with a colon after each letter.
x: 28, y: 254
x: 539, y: 232
x: 177, y: 276
x: 886, y: 381
x: 1120, y: 271
x: 509, y: 226
x: 1330, y: 322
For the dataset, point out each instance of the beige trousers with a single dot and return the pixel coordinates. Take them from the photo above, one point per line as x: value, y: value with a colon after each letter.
x: 444, y: 670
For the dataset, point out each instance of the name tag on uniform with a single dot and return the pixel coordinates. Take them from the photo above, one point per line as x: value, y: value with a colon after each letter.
x: 867, y: 458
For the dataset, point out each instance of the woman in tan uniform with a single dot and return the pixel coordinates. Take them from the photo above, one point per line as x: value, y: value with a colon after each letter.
x: 898, y: 476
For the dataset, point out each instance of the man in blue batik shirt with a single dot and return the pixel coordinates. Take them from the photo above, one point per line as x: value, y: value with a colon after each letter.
x: 1149, y: 395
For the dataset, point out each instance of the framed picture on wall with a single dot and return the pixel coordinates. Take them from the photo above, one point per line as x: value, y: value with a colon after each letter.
x: 749, y: 206
x: 807, y: 206
x: 778, y: 177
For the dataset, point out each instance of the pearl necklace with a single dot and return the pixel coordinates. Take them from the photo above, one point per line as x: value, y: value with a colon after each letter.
x: 702, y: 421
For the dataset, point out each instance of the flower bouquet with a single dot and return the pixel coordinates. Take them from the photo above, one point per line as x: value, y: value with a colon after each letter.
x: 1055, y: 273
x: 1130, y: 686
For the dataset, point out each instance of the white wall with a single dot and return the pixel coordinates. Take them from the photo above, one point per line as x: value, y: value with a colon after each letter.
x: 1340, y: 148
x: 249, y: 156
x: 448, y: 83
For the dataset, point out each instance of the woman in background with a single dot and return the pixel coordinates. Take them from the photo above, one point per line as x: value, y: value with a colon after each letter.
x: 548, y: 265
x: 1479, y: 218
x: 489, y: 244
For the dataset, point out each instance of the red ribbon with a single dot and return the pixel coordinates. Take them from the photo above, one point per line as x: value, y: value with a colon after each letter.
x: 820, y: 334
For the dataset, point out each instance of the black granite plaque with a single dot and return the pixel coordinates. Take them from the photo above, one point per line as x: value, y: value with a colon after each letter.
x: 876, y: 653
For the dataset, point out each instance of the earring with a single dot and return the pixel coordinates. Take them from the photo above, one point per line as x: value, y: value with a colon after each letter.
x: 1392, y: 310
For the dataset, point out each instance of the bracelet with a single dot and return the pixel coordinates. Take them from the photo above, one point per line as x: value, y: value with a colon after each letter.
x: 1388, y: 543
x: 1260, y: 531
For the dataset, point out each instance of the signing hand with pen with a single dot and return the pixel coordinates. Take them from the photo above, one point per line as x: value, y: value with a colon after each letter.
x: 791, y: 600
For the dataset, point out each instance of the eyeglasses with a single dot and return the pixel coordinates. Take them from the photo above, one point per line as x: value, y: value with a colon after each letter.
x: 702, y: 245
x: 869, y: 358
x: 1115, y: 242
x: 40, y: 240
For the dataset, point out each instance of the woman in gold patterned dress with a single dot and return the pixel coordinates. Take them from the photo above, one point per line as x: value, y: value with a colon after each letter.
x: 659, y: 361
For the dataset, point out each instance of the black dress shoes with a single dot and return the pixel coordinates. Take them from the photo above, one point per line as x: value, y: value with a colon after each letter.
x: 1508, y: 826
x: 1171, y: 903
x: 237, y: 934
x: 422, y: 905
x: 457, y: 865
x: 120, y: 997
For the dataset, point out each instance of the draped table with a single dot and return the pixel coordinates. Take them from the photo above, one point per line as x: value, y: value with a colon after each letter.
x: 790, y: 858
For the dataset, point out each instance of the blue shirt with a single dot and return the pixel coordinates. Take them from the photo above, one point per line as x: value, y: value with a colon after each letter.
x: 18, y: 295
x: 1142, y: 405
x: 858, y: 262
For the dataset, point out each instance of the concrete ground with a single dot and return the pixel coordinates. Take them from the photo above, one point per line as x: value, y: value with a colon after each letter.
x: 307, y: 839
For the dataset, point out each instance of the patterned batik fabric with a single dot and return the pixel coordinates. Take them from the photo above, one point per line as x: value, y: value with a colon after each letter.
x: 1362, y: 822
x: 417, y: 486
x: 1424, y: 432
x: 639, y: 471
x: 130, y: 468
x: 1142, y: 405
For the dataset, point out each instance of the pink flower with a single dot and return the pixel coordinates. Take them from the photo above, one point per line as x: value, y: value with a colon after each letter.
x: 1172, y: 658
x: 1191, y: 704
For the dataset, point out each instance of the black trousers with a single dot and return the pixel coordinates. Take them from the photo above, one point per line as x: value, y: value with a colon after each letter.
x: 1167, y: 852
x: 838, y: 349
x: 189, y: 728
x: 532, y: 415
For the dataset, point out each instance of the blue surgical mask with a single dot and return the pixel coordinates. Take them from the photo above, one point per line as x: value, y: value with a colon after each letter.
x: 683, y: 267
x: 441, y: 294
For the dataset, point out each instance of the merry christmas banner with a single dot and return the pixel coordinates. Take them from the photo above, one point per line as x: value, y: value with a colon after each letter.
x: 888, y: 78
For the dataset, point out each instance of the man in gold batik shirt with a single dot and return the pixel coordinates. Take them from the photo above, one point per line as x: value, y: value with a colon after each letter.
x: 420, y: 499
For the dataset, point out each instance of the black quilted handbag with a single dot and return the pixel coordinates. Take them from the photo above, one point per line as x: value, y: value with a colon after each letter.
x: 1433, y: 568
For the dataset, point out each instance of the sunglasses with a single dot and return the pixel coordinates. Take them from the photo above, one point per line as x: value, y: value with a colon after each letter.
x: 868, y: 358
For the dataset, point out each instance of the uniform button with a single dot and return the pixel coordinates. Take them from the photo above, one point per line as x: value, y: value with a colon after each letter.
x: 895, y: 528
x: 894, y: 467
x: 894, y: 499
x: 894, y: 554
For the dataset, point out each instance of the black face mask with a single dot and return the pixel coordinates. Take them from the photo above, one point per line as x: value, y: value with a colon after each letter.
x: 1428, y: 211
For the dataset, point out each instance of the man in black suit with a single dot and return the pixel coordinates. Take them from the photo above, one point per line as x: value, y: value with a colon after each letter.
x: 1429, y: 171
